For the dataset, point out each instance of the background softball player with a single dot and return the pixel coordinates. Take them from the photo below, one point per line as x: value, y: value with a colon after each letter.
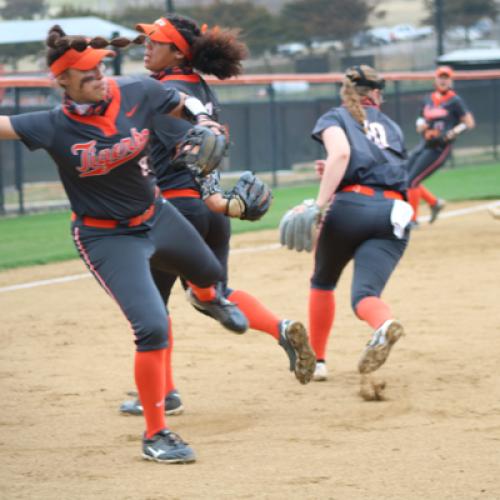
x: 443, y: 117
x: 175, y: 47
x: 366, y: 221
x: 98, y: 140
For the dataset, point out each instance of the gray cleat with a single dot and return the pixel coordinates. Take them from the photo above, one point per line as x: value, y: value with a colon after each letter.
x: 293, y: 339
x: 377, y: 350
x: 173, y: 405
x: 435, y: 209
x: 167, y: 447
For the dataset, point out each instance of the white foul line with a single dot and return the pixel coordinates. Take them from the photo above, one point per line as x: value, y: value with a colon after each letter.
x: 260, y: 248
x: 53, y: 281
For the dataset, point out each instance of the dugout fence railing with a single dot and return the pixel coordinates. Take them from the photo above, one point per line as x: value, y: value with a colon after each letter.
x: 270, y: 119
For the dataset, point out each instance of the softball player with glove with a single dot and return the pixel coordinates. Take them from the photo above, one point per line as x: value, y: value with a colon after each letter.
x: 175, y: 48
x: 359, y: 213
x: 121, y: 227
x: 443, y: 117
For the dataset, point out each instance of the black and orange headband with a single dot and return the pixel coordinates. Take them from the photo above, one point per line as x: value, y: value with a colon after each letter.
x: 163, y: 31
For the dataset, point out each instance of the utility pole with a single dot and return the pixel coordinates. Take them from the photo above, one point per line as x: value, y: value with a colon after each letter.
x: 439, y: 26
x: 170, y: 6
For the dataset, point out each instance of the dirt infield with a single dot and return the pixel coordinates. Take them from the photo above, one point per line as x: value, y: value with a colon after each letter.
x: 66, y: 364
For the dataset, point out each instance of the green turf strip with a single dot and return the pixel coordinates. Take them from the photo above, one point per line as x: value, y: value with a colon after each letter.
x: 40, y: 239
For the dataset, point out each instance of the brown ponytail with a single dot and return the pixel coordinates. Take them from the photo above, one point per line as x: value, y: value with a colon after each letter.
x: 58, y: 43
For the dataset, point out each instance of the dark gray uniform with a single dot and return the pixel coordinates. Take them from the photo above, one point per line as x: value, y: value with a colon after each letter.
x: 442, y: 112
x: 357, y: 226
x: 179, y: 186
x: 121, y: 227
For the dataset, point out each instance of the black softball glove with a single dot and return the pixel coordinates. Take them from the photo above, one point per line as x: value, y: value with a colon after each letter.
x: 249, y: 199
x: 201, y: 150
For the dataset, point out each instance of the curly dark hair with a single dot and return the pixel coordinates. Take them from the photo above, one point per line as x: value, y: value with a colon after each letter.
x: 216, y: 51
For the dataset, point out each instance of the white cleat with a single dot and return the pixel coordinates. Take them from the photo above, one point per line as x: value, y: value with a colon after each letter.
x: 320, y: 372
x: 377, y: 350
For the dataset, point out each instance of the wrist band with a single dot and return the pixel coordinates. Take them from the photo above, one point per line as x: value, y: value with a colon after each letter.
x: 195, y: 107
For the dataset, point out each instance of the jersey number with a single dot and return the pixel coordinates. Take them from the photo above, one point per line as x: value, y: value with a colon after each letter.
x: 376, y: 134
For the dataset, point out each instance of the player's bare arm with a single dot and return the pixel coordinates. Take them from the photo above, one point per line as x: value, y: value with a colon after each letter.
x: 338, y: 155
x: 6, y: 129
x: 192, y: 108
x: 468, y: 119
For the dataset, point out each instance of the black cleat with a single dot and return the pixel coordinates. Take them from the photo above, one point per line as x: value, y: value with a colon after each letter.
x: 224, y: 311
x: 167, y: 447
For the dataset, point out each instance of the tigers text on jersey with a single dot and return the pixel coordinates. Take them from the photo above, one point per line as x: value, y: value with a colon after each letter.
x: 443, y: 111
x: 377, y: 155
x: 102, y: 160
x: 168, y: 131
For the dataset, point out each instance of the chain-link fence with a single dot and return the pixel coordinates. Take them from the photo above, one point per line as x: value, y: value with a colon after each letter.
x: 270, y: 120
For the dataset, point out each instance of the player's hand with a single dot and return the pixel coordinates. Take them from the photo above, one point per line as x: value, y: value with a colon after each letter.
x: 206, y: 121
x: 450, y: 136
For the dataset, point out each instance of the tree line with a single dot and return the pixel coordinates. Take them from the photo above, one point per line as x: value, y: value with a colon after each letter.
x: 298, y: 21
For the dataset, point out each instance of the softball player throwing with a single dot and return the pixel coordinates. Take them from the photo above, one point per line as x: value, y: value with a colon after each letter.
x: 175, y: 48
x: 443, y: 117
x: 121, y: 228
x: 365, y: 217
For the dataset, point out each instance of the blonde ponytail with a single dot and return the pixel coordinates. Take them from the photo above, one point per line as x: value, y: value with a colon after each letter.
x: 352, y: 101
x: 353, y: 90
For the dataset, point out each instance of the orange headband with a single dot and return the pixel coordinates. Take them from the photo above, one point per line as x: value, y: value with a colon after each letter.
x: 85, y: 60
x: 165, y: 32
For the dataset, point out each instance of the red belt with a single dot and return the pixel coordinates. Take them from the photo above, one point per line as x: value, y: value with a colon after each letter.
x: 111, y: 223
x: 180, y: 193
x: 368, y: 191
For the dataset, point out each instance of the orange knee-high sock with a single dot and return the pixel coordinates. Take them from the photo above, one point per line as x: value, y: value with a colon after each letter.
x: 427, y: 196
x: 150, y: 381
x: 321, y: 316
x: 374, y: 311
x: 259, y: 317
x: 203, y: 294
x: 413, y: 195
x: 168, y: 359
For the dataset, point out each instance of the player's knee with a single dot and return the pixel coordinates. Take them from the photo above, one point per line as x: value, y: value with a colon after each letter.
x: 358, y: 296
x: 153, y: 334
x: 322, y: 284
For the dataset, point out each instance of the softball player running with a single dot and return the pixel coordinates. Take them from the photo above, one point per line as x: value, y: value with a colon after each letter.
x: 365, y: 217
x: 175, y: 48
x: 443, y: 117
x: 121, y: 227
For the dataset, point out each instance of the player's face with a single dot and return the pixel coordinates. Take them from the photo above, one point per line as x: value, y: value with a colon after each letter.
x: 85, y: 86
x: 376, y: 96
x: 443, y: 83
x: 158, y: 56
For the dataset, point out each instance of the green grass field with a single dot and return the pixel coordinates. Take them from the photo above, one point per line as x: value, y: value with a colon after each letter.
x: 40, y: 239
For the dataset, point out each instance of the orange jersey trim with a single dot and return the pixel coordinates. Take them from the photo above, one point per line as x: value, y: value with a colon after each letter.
x: 438, y: 98
x: 368, y: 191
x: 180, y: 193
x: 111, y: 223
x: 107, y: 122
x: 194, y: 78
